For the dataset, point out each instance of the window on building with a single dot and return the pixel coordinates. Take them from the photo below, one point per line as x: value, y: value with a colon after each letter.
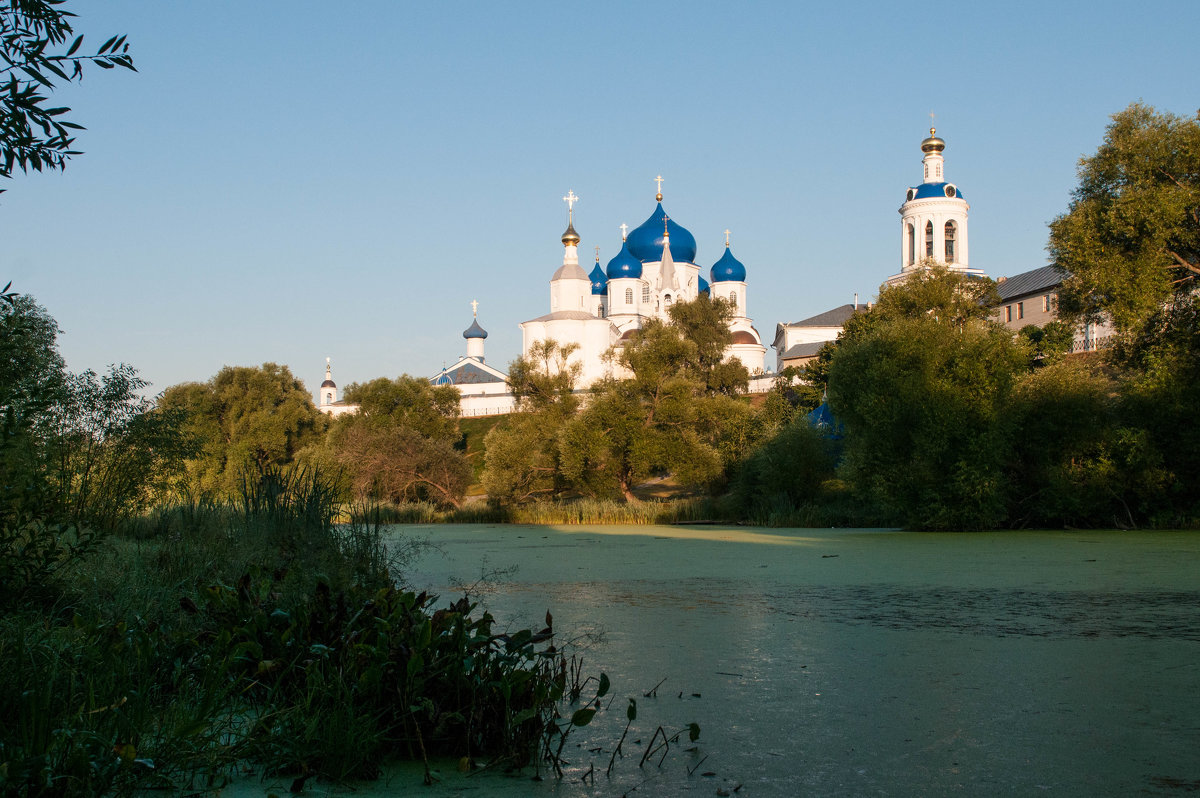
x: 646, y: 293
x: 667, y: 301
x: 951, y: 231
x: 1046, y: 304
x: 1008, y: 312
x: 733, y: 300
x: 912, y: 244
x: 929, y: 239
x: 1020, y: 310
x: 628, y: 296
x: 600, y: 310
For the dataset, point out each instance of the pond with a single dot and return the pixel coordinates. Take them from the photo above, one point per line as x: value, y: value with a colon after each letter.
x: 860, y: 662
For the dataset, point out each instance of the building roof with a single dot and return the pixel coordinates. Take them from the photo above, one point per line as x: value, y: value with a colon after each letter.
x: 831, y: 318
x: 623, y: 264
x: 803, y: 350
x: 645, y: 242
x: 1030, y: 282
x: 573, y: 315
x: 468, y: 371
x: 936, y: 190
x: 728, y: 269
x: 570, y: 271
x: 475, y: 331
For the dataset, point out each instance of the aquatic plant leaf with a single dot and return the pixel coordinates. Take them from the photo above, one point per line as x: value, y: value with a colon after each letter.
x: 583, y: 717
x: 604, y: 685
x: 631, y: 712
x: 693, y: 732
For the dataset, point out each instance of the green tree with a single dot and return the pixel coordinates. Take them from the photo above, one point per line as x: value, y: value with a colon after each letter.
x: 33, y: 34
x: 704, y: 323
x: 545, y: 377
x: 398, y: 464
x: 522, y: 453
x: 1130, y: 238
x: 243, y: 418
x: 922, y: 401
x: 669, y: 415
x: 407, y: 401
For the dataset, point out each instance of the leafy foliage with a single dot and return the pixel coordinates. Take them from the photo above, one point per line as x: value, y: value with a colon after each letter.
x: 1131, y: 236
x: 243, y: 418
x: 33, y: 134
x: 922, y: 402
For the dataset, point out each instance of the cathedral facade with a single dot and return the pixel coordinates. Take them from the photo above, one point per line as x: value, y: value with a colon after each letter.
x: 655, y: 268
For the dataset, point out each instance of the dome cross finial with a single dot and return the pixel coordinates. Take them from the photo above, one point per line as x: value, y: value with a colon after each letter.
x: 597, y: 253
x: 666, y: 233
x: 475, y: 308
x: 624, y: 227
x: 726, y: 236
x: 570, y: 199
x: 659, y: 181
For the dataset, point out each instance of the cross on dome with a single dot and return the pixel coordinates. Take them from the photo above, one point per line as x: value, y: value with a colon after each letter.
x: 475, y: 308
x: 570, y: 199
x: 726, y: 236
x: 659, y: 181
x: 665, y: 220
x: 597, y: 253
x: 624, y: 227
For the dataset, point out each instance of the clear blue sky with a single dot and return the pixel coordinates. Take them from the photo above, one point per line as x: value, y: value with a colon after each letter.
x: 287, y: 181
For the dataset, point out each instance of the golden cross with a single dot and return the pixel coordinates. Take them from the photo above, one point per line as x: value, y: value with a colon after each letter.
x: 727, y: 236
x: 474, y: 308
x: 659, y: 180
x: 624, y: 227
x: 570, y: 199
x: 665, y: 220
x: 597, y: 253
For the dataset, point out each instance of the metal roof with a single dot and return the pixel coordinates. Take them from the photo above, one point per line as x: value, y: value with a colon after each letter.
x: 1031, y: 282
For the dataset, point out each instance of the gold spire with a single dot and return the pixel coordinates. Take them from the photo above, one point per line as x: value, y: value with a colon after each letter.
x: 659, y: 181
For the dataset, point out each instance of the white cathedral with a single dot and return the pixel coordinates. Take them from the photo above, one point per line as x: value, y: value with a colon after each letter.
x: 656, y: 267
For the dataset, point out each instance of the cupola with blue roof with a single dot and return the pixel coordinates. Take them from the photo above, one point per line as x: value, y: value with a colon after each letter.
x: 475, y: 334
x: 728, y: 269
x: 646, y: 241
x: 599, y: 279
x: 625, y: 264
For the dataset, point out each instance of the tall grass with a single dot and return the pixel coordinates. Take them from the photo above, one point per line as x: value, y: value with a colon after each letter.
x: 261, y: 630
x: 574, y: 511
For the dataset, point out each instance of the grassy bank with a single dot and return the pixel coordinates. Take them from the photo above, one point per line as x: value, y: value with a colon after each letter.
x: 207, y: 639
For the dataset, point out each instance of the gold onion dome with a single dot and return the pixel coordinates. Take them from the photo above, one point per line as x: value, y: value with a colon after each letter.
x: 933, y: 143
x: 570, y: 238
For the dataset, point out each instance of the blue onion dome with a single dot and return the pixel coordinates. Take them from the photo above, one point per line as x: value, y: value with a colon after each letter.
x: 728, y: 269
x: 625, y: 264
x: 475, y: 331
x: 599, y: 280
x: 703, y: 286
x: 646, y: 242
x: 443, y: 379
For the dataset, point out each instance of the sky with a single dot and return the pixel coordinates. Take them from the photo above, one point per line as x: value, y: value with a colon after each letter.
x: 289, y: 181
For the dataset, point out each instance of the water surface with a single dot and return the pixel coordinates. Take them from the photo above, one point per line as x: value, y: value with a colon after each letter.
x: 834, y: 662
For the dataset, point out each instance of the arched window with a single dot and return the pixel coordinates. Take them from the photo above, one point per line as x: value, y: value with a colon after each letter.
x: 600, y: 310
x: 667, y: 301
x: 912, y: 245
x: 645, y: 293
x: 733, y: 300
x: 929, y: 239
x: 628, y: 296
x: 951, y: 229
